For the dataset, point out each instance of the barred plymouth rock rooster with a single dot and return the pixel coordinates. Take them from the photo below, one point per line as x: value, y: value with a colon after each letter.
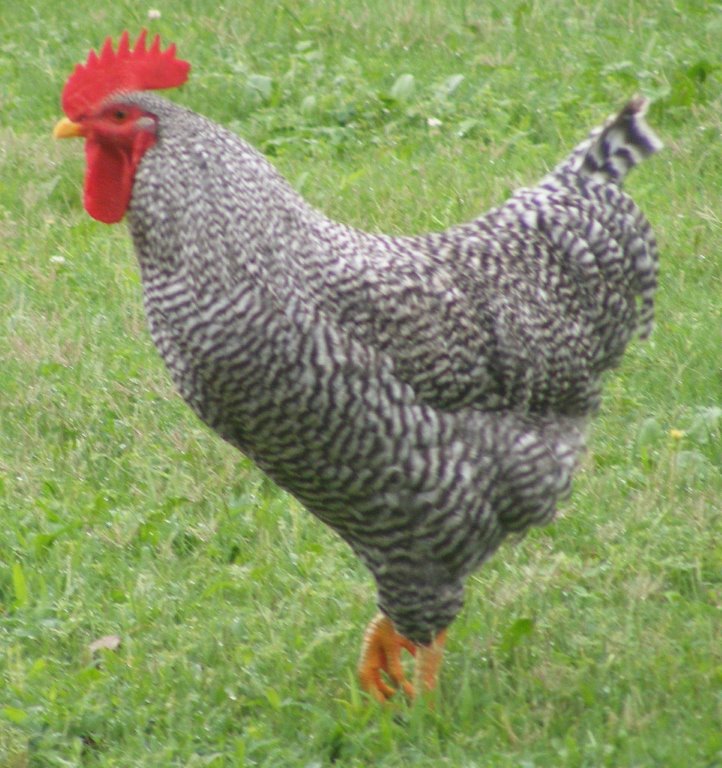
x: 424, y: 396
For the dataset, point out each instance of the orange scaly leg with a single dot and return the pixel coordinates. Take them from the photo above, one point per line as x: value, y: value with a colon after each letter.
x: 381, y: 652
x: 428, y: 663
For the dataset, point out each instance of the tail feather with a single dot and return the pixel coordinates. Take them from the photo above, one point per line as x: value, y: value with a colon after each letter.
x: 613, y: 149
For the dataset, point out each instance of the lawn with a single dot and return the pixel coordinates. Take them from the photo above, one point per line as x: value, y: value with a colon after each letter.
x: 236, y: 616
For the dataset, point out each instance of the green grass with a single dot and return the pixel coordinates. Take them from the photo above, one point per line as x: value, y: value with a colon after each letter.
x: 596, y: 642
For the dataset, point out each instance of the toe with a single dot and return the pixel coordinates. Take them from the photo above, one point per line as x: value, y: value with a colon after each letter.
x: 381, y: 652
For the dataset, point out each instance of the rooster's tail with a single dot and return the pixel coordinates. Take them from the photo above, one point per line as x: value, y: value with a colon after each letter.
x: 613, y: 149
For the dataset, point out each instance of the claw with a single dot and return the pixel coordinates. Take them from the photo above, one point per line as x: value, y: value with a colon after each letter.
x: 381, y: 652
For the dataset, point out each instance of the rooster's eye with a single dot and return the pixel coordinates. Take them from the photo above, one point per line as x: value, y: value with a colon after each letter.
x: 120, y: 115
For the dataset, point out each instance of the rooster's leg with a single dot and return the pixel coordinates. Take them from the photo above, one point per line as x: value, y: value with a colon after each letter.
x: 428, y: 663
x: 381, y: 652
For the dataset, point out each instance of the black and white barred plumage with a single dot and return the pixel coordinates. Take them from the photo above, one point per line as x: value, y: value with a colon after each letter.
x: 424, y: 396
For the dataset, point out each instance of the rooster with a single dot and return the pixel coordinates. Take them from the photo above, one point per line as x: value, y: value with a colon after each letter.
x: 423, y: 396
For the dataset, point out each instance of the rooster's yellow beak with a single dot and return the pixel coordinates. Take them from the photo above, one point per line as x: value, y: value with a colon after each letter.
x: 67, y: 129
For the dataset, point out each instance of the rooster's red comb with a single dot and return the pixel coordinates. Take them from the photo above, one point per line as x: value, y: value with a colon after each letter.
x: 137, y: 69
